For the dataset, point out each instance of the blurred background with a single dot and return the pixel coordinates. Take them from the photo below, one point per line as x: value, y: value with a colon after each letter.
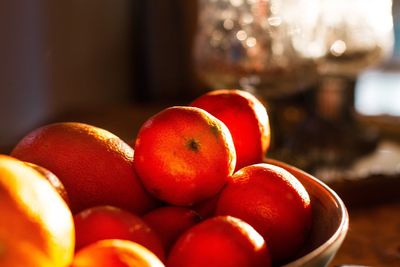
x: 59, y: 57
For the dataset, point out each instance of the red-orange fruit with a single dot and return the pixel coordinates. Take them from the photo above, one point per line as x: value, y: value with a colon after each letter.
x: 274, y: 202
x: 115, y: 253
x: 246, y: 118
x: 221, y: 241
x: 36, y: 225
x: 94, y: 165
x: 207, y: 208
x: 170, y: 222
x: 53, y: 179
x: 106, y: 222
x: 184, y: 155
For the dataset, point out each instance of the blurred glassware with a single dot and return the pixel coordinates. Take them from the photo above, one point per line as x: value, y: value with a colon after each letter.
x: 256, y: 45
x: 276, y: 48
x: 356, y: 35
x: 351, y: 37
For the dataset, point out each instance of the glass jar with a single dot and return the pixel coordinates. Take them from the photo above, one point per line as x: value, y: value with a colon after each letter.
x: 257, y: 45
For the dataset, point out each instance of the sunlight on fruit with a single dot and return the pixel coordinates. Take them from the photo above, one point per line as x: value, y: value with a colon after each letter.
x: 149, y: 257
x: 101, y: 134
x: 54, y: 215
x: 254, y: 236
x: 115, y: 253
x: 262, y: 115
x: 295, y: 183
x: 36, y: 226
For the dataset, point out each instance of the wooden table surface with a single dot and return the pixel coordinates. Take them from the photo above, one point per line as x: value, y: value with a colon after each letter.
x: 373, y: 238
x: 374, y: 234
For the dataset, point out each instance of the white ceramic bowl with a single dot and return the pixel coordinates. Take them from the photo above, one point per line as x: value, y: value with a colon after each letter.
x: 330, y: 221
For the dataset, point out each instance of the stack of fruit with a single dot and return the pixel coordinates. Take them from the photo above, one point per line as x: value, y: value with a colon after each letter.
x: 193, y: 191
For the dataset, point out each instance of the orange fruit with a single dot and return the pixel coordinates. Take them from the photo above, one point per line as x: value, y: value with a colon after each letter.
x: 94, y: 165
x: 106, y: 222
x: 184, y: 155
x: 206, y: 208
x: 246, y: 118
x: 115, y: 253
x: 52, y: 178
x: 221, y: 241
x: 36, y: 226
x: 274, y: 202
x: 170, y: 222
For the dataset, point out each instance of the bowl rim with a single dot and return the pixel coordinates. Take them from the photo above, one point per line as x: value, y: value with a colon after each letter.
x: 340, y: 233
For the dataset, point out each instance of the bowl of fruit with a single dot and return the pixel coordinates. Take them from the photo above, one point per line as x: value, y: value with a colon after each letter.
x: 194, y: 189
x: 330, y: 221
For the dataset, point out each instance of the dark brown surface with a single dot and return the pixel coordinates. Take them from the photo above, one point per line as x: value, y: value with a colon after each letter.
x: 373, y: 202
x: 368, y: 191
x: 373, y: 238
